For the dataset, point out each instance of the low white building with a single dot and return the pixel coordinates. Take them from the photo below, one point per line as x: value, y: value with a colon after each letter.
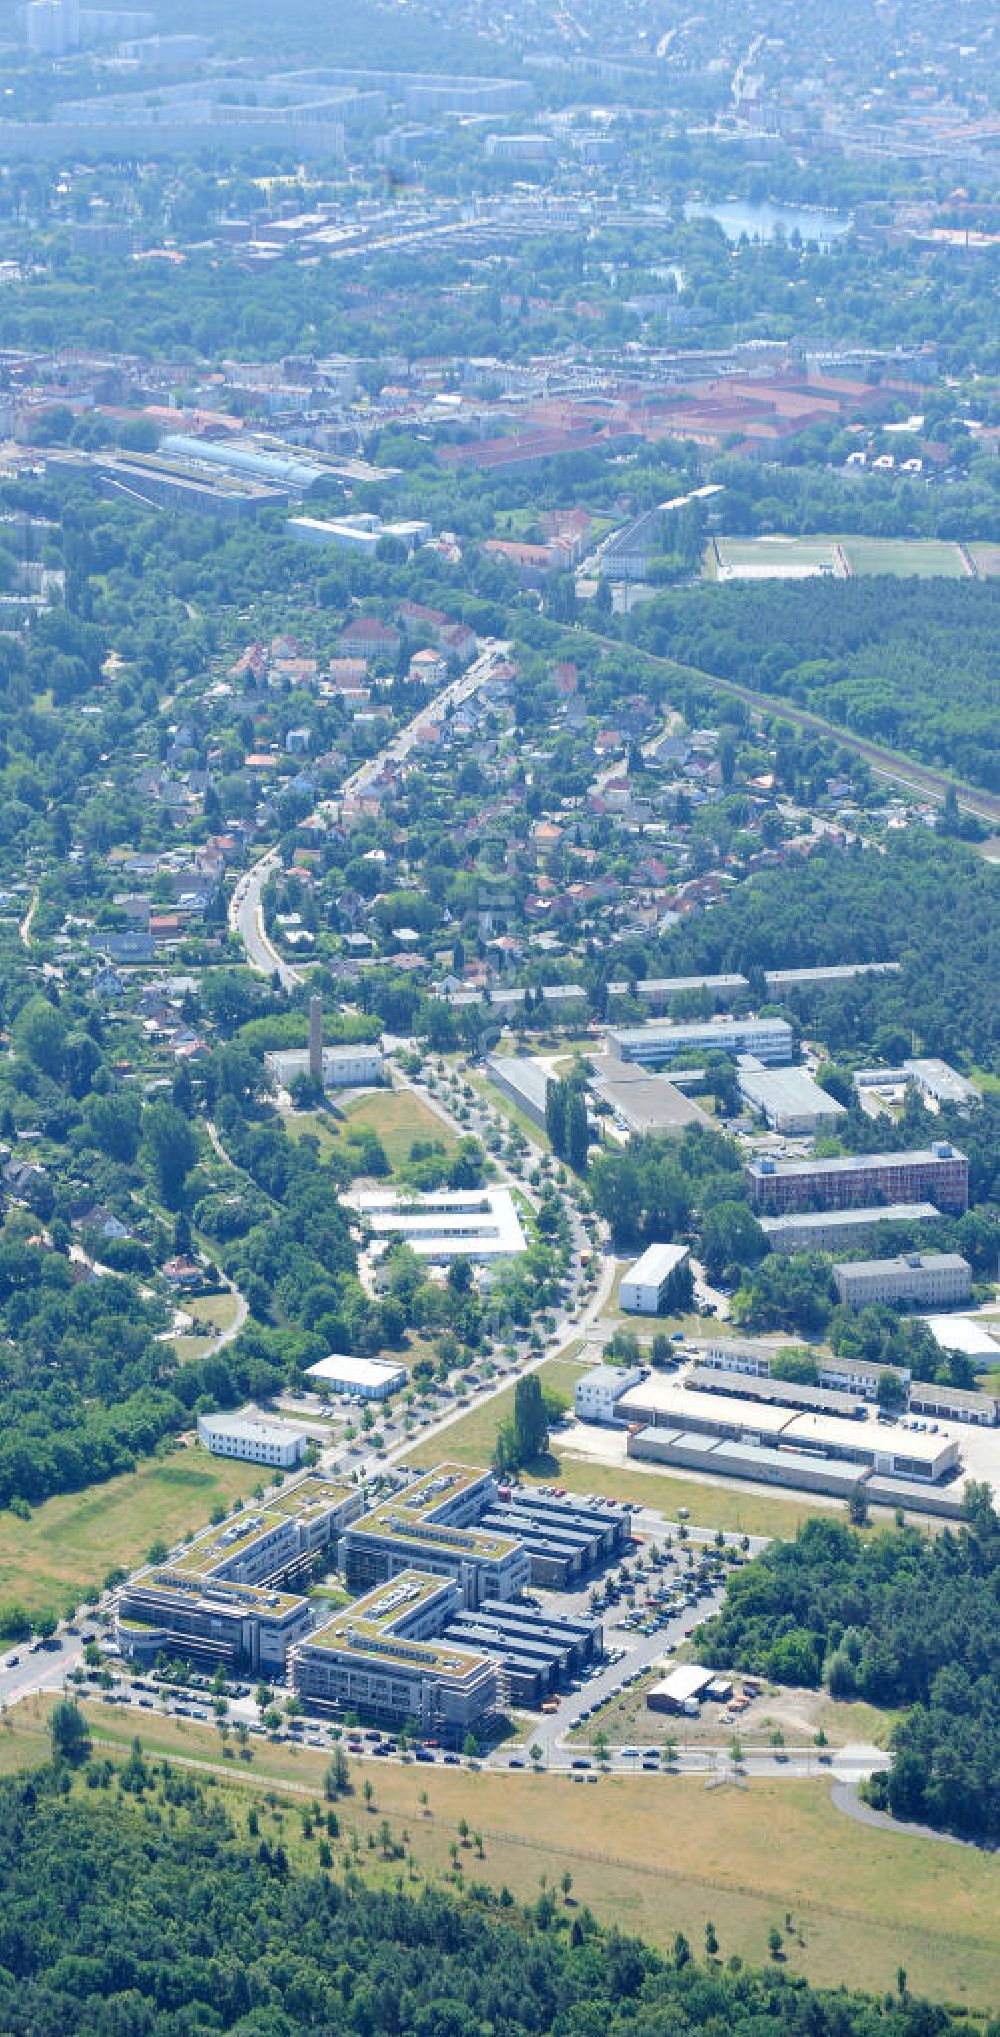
x: 368, y: 1378
x: 644, y: 1286
x: 254, y: 1438
x: 473, y: 1223
x: 597, y: 1394
x: 355, y: 1067
x: 933, y: 1278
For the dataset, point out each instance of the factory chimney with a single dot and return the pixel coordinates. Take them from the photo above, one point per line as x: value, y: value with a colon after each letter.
x: 316, y: 1039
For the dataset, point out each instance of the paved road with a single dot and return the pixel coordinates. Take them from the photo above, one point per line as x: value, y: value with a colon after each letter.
x: 24, y: 1669
x: 904, y: 771
x: 246, y: 913
x: 844, y: 1797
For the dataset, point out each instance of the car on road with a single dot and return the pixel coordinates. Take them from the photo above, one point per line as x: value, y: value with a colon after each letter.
x: 581, y: 1761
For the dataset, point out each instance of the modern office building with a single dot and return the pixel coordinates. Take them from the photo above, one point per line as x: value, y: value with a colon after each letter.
x: 564, y: 1538
x: 434, y: 1526
x: 940, y: 1172
x: 789, y: 1100
x: 534, y: 1650
x: 230, y: 1597
x: 474, y: 1223
x: 839, y: 1230
x: 644, y: 1288
x: 366, y: 1378
x: 770, y: 1039
x: 254, y: 1438
x: 932, y: 1279
x: 388, y: 1658
x: 596, y: 1395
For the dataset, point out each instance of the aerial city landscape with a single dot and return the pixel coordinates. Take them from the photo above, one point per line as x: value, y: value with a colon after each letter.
x: 500, y: 1019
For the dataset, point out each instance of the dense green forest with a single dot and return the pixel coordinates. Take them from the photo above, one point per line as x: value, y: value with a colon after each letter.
x: 904, y: 1619
x: 123, y: 1917
x: 921, y: 900
x: 911, y: 663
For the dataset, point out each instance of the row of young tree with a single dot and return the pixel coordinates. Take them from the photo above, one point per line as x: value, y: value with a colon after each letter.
x: 901, y: 1619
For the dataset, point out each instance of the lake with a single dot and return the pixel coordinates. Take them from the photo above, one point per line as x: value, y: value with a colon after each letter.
x: 738, y: 216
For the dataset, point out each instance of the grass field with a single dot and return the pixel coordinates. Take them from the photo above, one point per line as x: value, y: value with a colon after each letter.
x: 217, y: 1310
x: 471, y: 1437
x: 927, y: 558
x: 791, y: 558
x: 71, y: 1542
x: 395, y: 1115
x: 986, y: 559
x: 653, y: 1855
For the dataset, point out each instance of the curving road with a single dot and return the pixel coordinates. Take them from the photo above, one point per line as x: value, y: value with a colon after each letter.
x: 246, y: 911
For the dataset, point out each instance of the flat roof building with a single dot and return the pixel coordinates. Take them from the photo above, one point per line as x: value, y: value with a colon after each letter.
x: 658, y: 992
x: 645, y: 1287
x: 857, y: 1377
x: 789, y: 1393
x: 433, y: 1526
x: 662, y: 1403
x: 475, y: 1223
x: 931, y: 1278
x: 954, y: 1403
x: 640, y: 1101
x: 596, y: 1395
x: 854, y: 1179
x: 522, y: 1080
x: 387, y: 1656
x: 368, y: 1378
x: 356, y: 1067
x: 837, y: 1230
x: 770, y: 1039
x: 778, y: 980
x: 254, y: 1438
x: 789, y: 1099
x: 230, y: 1596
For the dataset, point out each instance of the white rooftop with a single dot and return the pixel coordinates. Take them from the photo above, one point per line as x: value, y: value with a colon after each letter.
x: 357, y: 1372
x: 475, y: 1223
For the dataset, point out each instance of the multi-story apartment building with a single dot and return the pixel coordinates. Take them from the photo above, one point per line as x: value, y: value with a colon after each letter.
x: 940, y: 1173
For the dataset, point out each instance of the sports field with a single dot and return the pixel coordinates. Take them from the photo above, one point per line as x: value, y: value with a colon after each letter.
x: 841, y: 558
x: 651, y: 1854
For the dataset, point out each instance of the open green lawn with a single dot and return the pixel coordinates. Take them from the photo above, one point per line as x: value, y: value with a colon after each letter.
x: 652, y: 1854
x: 927, y: 558
x: 72, y: 1541
x: 395, y: 1115
x: 782, y: 558
x: 217, y: 1312
x: 470, y: 1438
